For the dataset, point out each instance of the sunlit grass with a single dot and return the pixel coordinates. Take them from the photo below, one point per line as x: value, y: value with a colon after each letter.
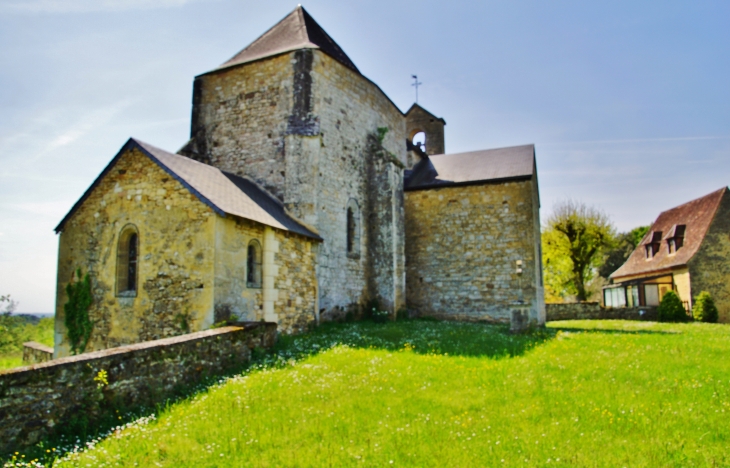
x: 10, y: 360
x: 593, y: 393
x: 14, y: 331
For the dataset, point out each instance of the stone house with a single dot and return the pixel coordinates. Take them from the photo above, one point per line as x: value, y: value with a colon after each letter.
x: 294, y: 150
x: 687, y: 250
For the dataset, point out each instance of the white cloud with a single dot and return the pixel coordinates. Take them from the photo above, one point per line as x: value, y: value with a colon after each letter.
x: 80, y: 127
x: 85, y: 6
x: 637, y: 140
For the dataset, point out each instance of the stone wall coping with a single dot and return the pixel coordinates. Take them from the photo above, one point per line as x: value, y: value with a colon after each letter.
x: 38, y: 346
x: 248, y: 326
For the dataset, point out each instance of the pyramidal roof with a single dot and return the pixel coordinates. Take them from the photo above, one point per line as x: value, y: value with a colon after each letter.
x: 296, y: 31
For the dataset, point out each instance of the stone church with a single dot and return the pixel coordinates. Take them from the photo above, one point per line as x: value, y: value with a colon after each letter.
x: 301, y: 197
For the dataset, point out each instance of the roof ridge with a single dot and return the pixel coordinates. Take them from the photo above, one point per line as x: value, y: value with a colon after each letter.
x: 695, y: 200
x: 484, y: 150
x: 210, y: 186
x: 697, y: 215
x: 297, y: 30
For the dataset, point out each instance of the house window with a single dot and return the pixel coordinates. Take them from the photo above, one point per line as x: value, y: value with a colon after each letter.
x: 632, y: 296
x: 614, y: 297
x: 353, y: 229
x: 653, y: 244
x: 127, y: 261
x: 253, y: 265
x: 675, y: 238
x: 651, y: 294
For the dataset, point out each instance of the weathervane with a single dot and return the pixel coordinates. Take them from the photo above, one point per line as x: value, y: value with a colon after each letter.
x: 416, y: 83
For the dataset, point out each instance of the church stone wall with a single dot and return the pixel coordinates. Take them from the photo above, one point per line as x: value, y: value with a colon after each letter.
x: 295, y: 284
x: 239, y: 120
x: 709, y: 269
x: 353, y: 165
x: 176, y: 256
x: 300, y: 125
x: 234, y: 300
x: 462, y: 248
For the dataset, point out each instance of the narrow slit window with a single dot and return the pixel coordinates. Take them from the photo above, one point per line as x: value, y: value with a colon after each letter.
x: 253, y: 265
x: 352, y: 230
x: 127, y: 262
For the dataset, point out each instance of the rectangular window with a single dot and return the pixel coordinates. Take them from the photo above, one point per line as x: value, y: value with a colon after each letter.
x: 632, y: 296
x: 614, y: 297
x: 651, y: 294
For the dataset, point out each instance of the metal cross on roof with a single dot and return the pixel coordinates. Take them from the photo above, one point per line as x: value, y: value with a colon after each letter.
x: 416, y: 83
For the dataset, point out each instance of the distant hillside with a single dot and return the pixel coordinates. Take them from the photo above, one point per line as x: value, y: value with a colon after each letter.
x: 32, y: 317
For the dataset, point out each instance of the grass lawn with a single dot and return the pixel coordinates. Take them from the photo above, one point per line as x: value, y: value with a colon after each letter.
x: 422, y: 393
x: 14, y: 331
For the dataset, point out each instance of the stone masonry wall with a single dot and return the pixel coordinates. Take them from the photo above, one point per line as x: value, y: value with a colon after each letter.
x: 34, y: 352
x: 35, y: 401
x: 709, y: 269
x: 287, y: 294
x: 296, y: 282
x: 462, y: 248
x: 299, y: 124
x: 176, y: 257
x: 350, y: 109
x: 239, y: 120
x: 234, y: 299
x: 594, y: 311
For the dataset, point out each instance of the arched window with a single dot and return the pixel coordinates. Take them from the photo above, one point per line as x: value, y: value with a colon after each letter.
x: 353, y: 229
x: 253, y: 265
x: 127, y: 261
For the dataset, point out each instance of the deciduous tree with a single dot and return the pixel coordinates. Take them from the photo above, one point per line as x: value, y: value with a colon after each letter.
x: 574, y: 242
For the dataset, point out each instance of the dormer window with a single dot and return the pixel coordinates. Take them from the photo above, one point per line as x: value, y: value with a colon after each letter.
x: 675, y: 238
x: 653, y: 244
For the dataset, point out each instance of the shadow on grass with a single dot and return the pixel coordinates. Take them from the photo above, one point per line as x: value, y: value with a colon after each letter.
x: 614, y: 331
x: 420, y: 336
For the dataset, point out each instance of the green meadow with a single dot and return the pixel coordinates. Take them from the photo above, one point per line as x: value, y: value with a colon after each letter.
x: 433, y: 394
x: 16, y: 330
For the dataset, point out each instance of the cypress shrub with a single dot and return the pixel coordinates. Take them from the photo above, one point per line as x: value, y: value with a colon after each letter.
x: 705, y: 309
x: 671, y: 308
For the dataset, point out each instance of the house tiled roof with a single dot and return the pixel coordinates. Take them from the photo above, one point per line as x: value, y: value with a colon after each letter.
x: 516, y: 162
x: 298, y: 30
x: 695, y: 215
x: 227, y: 194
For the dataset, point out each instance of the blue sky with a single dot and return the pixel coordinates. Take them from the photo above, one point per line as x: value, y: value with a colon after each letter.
x: 627, y: 102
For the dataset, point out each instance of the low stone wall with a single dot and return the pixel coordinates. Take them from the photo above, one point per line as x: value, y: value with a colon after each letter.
x: 594, y: 311
x: 37, y: 399
x: 34, y: 352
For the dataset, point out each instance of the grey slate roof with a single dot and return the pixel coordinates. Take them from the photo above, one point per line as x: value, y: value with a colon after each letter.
x: 227, y: 194
x: 298, y: 30
x: 516, y: 162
